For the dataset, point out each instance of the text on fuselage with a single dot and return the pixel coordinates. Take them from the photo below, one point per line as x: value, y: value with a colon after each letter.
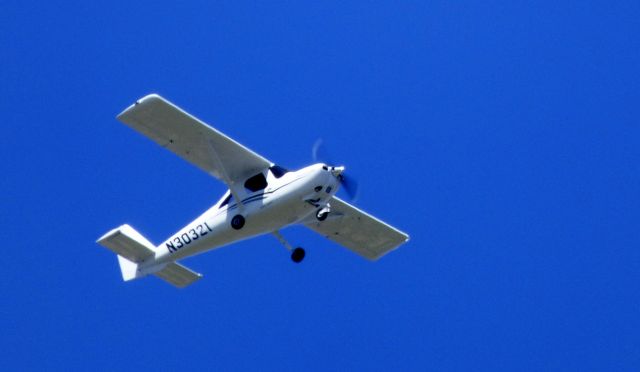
x: 178, y: 242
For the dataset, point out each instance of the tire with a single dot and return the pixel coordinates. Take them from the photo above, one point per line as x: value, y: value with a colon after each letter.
x: 237, y: 222
x: 297, y: 255
x: 321, y: 216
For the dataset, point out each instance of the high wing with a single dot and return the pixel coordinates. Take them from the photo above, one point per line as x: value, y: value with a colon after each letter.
x: 358, y: 231
x: 193, y: 140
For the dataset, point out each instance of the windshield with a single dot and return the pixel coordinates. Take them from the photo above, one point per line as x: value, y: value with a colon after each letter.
x: 278, y: 171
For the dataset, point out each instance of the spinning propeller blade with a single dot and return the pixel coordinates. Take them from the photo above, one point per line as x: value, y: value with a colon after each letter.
x: 349, y: 185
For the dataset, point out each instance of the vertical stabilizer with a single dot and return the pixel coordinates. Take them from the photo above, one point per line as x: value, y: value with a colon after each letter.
x: 129, y: 269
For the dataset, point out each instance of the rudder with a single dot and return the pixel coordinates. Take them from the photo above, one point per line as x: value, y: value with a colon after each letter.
x: 129, y: 269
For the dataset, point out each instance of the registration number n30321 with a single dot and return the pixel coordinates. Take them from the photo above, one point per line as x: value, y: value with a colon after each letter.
x: 184, y: 239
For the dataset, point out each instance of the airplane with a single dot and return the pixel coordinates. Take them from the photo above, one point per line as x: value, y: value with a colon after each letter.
x: 262, y: 198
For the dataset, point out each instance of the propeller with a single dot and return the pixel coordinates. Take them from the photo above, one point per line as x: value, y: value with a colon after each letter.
x: 350, y: 186
x: 347, y: 183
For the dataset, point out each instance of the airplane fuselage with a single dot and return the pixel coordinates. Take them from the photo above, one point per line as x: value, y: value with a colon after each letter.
x: 286, y: 200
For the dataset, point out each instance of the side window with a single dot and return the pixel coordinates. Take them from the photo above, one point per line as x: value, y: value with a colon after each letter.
x: 225, y: 201
x: 255, y: 183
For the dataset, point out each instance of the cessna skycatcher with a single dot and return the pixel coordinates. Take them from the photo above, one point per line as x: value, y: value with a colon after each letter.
x: 263, y: 198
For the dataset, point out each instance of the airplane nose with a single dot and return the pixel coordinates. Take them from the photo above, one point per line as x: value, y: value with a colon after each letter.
x: 337, y: 171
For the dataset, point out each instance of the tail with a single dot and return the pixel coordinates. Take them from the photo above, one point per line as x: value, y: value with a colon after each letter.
x: 129, y: 269
x: 136, y: 255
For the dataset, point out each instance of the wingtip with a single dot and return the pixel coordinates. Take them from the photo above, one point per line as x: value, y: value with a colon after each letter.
x: 148, y: 98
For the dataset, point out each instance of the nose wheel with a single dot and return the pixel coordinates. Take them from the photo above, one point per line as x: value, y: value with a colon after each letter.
x: 321, y: 216
x: 297, y: 255
x: 323, y: 213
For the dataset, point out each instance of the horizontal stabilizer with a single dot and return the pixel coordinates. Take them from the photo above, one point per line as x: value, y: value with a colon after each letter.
x: 178, y: 275
x: 128, y: 243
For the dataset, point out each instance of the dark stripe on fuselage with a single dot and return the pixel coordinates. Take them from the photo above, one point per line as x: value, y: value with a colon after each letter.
x: 260, y: 196
x: 235, y: 206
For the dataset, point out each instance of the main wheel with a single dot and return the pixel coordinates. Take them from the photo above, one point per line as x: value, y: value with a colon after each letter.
x: 297, y: 255
x: 237, y: 222
x: 321, y: 216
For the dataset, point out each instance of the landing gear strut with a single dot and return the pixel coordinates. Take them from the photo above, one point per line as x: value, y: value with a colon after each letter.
x: 237, y: 222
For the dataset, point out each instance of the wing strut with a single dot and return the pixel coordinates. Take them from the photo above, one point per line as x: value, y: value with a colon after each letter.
x: 223, y: 172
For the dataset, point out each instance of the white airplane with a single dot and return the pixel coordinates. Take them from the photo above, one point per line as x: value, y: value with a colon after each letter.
x: 262, y: 198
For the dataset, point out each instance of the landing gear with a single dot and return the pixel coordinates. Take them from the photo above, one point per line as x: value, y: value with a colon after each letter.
x: 237, y: 222
x: 323, y: 213
x: 297, y: 255
x: 321, y: 216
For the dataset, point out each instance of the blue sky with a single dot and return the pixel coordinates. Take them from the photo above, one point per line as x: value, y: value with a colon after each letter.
x: 503, y: 136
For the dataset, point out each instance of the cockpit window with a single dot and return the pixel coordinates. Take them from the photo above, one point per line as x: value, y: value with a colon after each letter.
x: 225, y: 201
x: 257, y: 182
x: 278, y: 171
